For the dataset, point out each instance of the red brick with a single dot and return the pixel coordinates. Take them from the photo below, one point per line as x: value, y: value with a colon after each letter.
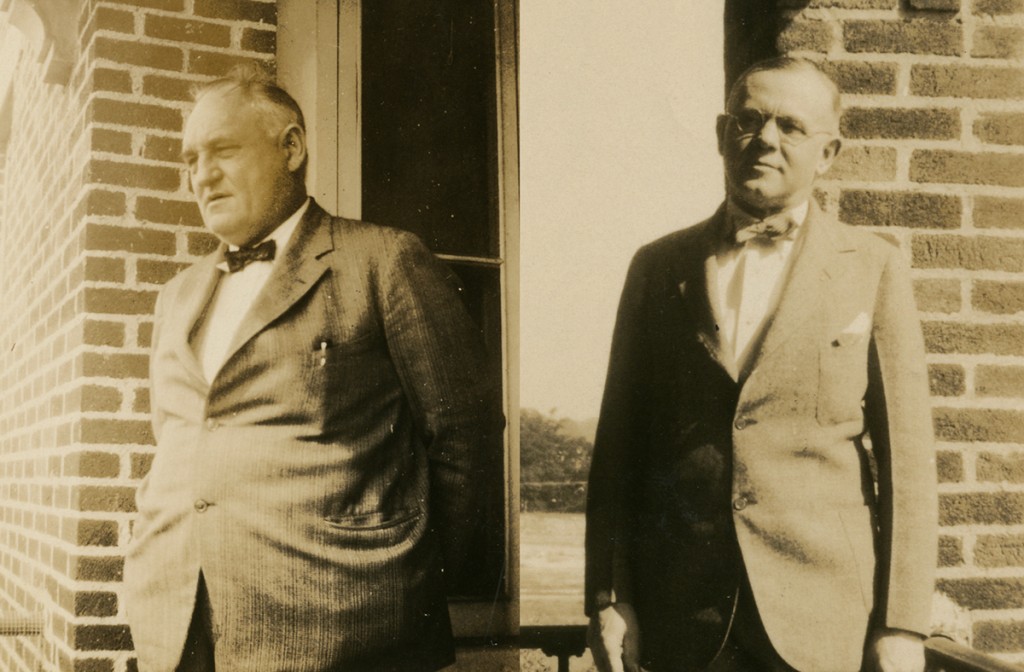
x: 1000, y: 468
x: 996, y: 550
x: 237, y: 10
x: 100, y: 398
x: 202, y: 243
x: 96, y: 533
x: 899, y: 208
x: 216, y: 64
x: 903, y: 37
x: 865, y: 164
x: 94, y: 568
x: 109, y: 203
x: 162, y: 148
x: 967, y: 168
x: 999, y: 381
x: 998, y: 42
x: 967, y: 81
x: 166, y: 211
x: 936, y: 5
x: 104, y: 269
x: 936, y: 295
x: 984, y: 593
x: 134, y: 175
x: 117, y: 81
x: 863, y: 78
x: 95, y: 603
x: 135, y: 239
x: 951, y: 551
x: 181, y: 30
x: 946, y: 380
x: 801, y: 35
x: 262, y: 41
x: 999, y: 7
x: 97, y: 365
x: 93, y: 464
x: 157, y: 56
x: 115, y: 142
x: 974, y: 339
x: 104, y: 110
x: 1000, y: 128
x: 168, y: 88
x: 998, y: 636
x: 999, y: 298
x: 115, y: 20
x: 94, y: 665
x: 96, y: 332
x: 141, y: 464
x: 140, y: 404
x: 992, y: 212
x: 887, y: 122
x: 157, y: 272
x: 949, y: 466
x: 981, y: 508
x: 111, y: 301
x: 96, y: 430
x: 974, y: 253
x: 979, y: 424
x: 168, y: 5
x: 101, y: 638
x: 105, y: 498
x: 145, y: 336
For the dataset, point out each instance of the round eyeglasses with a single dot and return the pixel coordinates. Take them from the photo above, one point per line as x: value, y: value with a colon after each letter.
x: 751, y: 122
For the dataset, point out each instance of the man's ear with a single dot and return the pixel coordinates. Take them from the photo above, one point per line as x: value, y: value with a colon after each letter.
x: 829, y: 152
x: 293, y: 141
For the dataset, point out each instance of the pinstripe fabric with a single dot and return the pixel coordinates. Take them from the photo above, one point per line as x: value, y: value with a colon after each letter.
x: 321, y: 480
x: 700, y: 469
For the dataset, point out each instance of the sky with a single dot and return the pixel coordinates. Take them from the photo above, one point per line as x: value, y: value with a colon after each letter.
x: 617, y: 147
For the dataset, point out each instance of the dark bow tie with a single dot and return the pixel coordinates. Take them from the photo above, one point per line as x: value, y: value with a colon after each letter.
x: 774, y: 228
x: 243, y: 256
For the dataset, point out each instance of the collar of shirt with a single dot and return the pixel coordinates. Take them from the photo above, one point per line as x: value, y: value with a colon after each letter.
x: 281, y: 235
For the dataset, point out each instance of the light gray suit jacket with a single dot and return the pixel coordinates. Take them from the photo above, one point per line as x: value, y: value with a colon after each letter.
x: 321, y: 492
x: 702, y: 472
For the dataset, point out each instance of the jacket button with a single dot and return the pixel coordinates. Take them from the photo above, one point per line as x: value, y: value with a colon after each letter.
x: 201, y: 505
x: 212, y: 424
x: 740, y: 503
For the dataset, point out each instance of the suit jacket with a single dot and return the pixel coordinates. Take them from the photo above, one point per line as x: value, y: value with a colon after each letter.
x: 321, y: 491
x: 701, y: 472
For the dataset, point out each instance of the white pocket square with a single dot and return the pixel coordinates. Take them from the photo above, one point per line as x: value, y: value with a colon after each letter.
x: 860, y: 324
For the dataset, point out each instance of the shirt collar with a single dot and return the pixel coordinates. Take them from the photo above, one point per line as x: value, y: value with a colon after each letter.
x: 281, y: 235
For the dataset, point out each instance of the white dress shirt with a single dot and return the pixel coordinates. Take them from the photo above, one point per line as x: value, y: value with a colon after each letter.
x: 750, y: 279
x: 234, y: 295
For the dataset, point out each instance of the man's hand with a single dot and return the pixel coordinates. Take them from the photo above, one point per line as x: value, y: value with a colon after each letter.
x: 895, y: 651
x: 614, y: 639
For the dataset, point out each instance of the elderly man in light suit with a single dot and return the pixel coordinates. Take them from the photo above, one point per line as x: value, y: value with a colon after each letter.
x: 322, y: 416
x: 738, y: 518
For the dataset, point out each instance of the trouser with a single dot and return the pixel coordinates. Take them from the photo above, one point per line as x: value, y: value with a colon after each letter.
x: 747, y: 647
x: 197, y: 655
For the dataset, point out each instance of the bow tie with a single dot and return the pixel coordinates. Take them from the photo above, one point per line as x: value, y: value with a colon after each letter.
x: 243, y: 256
x: 771, y: 229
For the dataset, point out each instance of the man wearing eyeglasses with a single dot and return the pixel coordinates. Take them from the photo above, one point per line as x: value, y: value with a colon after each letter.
x: 762, y: 493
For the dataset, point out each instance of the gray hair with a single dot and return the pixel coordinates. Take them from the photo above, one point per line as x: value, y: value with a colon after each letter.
x: 788, y: 63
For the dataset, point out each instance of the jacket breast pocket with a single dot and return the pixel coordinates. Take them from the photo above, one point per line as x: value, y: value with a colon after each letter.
x: 842, y: 378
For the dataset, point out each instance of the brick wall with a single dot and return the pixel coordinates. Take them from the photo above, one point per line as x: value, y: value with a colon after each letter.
x: 94, y: 217
x: 934, y: 157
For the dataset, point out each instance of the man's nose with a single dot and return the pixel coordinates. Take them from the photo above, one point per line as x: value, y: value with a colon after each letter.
x: 205, y: 173
x: 769, y: 133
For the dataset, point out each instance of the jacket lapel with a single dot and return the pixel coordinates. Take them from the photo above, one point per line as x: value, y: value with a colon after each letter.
x: 815, y: 264
x: 198, y: 285
x: 698, y: 284
x: 299, y: 269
